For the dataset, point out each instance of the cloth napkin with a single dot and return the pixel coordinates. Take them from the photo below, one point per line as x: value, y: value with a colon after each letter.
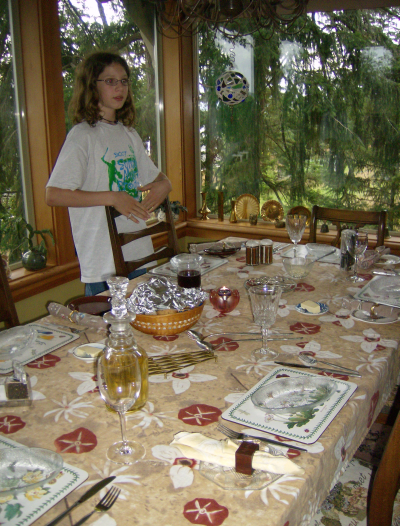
x: 222, y: 452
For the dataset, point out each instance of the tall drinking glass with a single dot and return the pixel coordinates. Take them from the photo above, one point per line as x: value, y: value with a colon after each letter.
x: 295, y: 225
x: 357, y: 244
x: 264, y: 305
x: 119, y: 381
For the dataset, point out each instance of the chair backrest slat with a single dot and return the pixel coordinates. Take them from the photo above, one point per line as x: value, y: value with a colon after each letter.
x: 8, y: 312
x: 118, y: 240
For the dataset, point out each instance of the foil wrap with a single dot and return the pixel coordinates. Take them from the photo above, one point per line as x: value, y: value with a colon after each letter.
x: 160, y: 294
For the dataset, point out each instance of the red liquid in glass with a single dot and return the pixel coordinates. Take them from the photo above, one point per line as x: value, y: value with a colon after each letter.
x: 189, y: 279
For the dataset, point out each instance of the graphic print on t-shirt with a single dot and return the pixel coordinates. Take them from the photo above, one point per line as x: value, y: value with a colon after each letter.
x: 123, y: 173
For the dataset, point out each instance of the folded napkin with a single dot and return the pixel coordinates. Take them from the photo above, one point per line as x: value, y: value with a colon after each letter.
x: 222, y: 452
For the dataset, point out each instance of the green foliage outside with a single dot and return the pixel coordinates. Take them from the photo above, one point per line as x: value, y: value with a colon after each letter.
x: 322, y: 126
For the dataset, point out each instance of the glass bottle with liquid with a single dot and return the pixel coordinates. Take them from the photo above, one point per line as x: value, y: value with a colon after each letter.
x: 121, y: 342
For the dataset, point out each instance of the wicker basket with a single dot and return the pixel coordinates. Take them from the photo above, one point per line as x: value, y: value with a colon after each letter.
x: 167, y: 324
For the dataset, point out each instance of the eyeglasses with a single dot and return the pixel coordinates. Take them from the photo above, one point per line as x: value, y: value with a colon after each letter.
x: 114, y: 82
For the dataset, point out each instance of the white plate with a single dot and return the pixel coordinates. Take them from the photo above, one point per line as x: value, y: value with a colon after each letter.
x: 318, y: 250
x: 323, y: 306
x: 386, y: 286
x: 363, y: 316
x: 15, y: 341
x: 26, y: 468
x: 388, y: 259
x: 88, y: 358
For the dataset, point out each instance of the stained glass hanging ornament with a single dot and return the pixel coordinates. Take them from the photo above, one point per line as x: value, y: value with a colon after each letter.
x: 232, y: 88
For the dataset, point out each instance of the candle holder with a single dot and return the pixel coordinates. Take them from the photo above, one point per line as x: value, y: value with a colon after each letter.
x: 224, y: 299
x: 233, y: 218
x: 220, y: 206
x: 204, y: 210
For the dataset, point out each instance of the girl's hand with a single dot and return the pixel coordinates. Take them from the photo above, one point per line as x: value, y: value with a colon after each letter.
x: 129, y: 207
x: 159, y: 189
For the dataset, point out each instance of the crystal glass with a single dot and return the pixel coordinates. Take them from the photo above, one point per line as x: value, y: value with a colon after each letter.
x: 357, y: 244
x: 264, y: 305
x: 295, y: 225
x: 119, y: 381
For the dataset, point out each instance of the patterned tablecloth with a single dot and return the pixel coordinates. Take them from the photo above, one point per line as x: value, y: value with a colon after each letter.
x: 165, y: 489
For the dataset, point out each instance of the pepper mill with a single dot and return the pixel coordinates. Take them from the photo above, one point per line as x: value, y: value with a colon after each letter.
x: 204, y: 210
x: 233, y: 218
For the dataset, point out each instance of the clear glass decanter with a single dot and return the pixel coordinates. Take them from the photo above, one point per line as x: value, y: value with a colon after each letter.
x: 121, y: 339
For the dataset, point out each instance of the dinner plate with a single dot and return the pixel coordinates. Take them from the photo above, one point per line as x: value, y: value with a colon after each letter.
x: 388, y: 259
x: 285, y: 283
x: 25, y: 468
x: 388, y: 286
x: 361, y: 315
x: 318, y: 250
x: 246, y: 204
x: 291, y: 395
x: 83, y: 352
x: 15, y: 341
x: 272, y: 211
x: 324, y: 308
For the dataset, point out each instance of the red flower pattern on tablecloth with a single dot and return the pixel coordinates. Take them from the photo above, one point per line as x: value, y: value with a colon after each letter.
x: 11, y: 424
x: 282, y: 376
x: 44, y: 362
x: 304, y: 287
x: 302, y: 327
x: 170, y: 338
x: 205, y: 511
x: 335, y: 375
x: 199, y: 415
x: 372, y: 407
x: 79, y: 441
x: 229, y: 344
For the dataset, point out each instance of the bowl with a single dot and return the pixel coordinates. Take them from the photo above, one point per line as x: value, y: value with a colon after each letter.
x: 298, y: 268
x: 292, y: 395
x: 15, y: 341
x: 25, y: 468
x: 167, y: 324
x: 186, y: 260
x: 286, y: 284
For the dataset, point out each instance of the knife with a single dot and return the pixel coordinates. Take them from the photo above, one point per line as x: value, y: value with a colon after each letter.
x: 334, y: 371
x: 92, y: 491
x: 327, y: 254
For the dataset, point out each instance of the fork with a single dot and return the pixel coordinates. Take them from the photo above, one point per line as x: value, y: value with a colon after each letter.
x: 230, y: 433
x: 104, y: 505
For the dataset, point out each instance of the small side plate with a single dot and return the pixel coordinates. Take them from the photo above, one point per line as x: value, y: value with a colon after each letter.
x: 323, y: 306
x: 79, y: 352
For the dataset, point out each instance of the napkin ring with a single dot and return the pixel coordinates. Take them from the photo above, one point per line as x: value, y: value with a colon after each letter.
x: 244, y: 457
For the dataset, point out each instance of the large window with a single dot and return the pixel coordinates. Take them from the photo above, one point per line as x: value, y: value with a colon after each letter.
x: 321, y: 123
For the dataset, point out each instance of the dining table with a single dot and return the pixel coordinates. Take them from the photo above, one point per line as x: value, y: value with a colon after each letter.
x: 166, y: 488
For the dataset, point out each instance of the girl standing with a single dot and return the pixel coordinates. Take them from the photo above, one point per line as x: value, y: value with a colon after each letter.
x: 103, y: 163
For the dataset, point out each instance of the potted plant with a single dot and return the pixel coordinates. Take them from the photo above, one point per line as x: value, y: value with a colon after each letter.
x: 22, y: 235
x: 176, y: 208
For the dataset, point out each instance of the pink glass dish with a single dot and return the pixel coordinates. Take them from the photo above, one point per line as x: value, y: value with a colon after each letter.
x: 224, y: 299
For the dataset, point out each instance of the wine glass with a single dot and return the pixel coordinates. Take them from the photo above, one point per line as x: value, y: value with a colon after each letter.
x: 119, y: 381
x: 356, y: 245
x: 264, y: 305
x: 295, y: 225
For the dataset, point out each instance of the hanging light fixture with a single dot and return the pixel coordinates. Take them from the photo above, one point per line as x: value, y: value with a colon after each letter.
x: 186, y: 17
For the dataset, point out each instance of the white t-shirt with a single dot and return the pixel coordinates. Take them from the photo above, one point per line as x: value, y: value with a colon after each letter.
x: 95, y: 159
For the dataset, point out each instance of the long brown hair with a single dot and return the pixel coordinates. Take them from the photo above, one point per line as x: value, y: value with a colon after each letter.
x: 84, y: 105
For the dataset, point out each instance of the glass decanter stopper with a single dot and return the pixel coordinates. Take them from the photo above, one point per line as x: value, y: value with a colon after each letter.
x: 121, y: 339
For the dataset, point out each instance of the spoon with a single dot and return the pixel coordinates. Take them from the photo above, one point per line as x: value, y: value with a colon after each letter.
x: 210, y: 347
x: 310, y: 360
x: 196, y: 336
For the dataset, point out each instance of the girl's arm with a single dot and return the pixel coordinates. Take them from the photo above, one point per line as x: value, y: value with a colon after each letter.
x: 159, y: 189
x: 121, y: 201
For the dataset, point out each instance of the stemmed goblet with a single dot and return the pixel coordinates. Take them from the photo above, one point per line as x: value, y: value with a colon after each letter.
x: 119, y: 381
x: 356, y: 245
x: 264, y: 305
x: 295, y: 225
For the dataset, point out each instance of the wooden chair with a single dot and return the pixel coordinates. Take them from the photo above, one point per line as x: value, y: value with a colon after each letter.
x: 8, y: 312
x: 123, y: 268
x: 380, y: 486
x: 358, y: 218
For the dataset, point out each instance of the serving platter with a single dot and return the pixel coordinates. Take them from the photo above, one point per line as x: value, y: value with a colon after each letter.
x: 246, y: 204
x: 302, y: 426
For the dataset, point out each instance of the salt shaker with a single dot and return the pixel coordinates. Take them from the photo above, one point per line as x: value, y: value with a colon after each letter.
x: 266, y: 251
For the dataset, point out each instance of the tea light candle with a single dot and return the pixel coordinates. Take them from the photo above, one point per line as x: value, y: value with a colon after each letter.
x: 224, y: 299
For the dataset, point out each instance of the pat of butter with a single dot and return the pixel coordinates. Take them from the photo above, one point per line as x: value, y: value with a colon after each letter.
x: 88, y: 351
x: 311, y: 306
